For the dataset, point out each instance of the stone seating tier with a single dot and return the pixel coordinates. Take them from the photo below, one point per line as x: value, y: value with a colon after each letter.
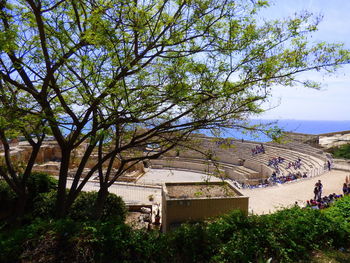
x: 240, y: 153
x: 289, y: 155
x: 235, y: 160
x: 234, y: 172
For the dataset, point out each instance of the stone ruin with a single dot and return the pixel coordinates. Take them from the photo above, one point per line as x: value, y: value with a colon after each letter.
x: 49, y: 157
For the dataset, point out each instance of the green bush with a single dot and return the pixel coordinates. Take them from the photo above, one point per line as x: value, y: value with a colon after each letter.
x: 72, y: 241
x: 342, y: 151
x: 41, y: 241
x: 288, y: 235
x: 7, y: 197
x: 38, y: 183
x: 114, y: 209
x: 298, y: 231
x: 11, y: 244
x: 191, y: 243
x: 44, y: 205
x: 340, y: 210
x: 12, y: 240
x: 241, y: 238
x: 82, y: 209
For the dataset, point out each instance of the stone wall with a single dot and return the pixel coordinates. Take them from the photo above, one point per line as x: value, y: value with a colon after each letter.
x: 177, y: 211
x: 341, y: 164
x: 49, y: 156
x: 334, y: 139
x: 310, y: 139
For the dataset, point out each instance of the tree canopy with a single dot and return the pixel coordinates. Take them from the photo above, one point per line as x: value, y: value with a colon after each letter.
x: 118, y: 75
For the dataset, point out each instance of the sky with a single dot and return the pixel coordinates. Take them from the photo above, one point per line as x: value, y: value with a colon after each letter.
x: 332, y: 102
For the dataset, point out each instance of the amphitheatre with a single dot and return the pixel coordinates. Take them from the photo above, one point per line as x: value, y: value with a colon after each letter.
x: 226, y: 160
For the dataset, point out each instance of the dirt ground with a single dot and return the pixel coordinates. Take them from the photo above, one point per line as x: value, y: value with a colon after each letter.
x: 135, y: 220
x: 199, y: 190
x: 269, y: 199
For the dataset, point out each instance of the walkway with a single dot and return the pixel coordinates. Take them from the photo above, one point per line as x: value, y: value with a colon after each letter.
x: 269, y: 199
x: 131, y: 193
x: 160, y: 176
x: 261, y: 200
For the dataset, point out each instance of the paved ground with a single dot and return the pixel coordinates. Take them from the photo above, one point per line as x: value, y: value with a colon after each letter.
x: 261, y: 200
x: 269, y: 199
x: 160, y: 176
x: 131, y: 193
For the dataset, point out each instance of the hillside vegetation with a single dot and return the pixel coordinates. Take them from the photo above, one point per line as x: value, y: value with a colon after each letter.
x: 289, y: 235
x: 342, y: 151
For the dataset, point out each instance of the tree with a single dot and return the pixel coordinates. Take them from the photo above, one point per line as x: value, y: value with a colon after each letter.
x: 19, y: 117
x: 115, y: 76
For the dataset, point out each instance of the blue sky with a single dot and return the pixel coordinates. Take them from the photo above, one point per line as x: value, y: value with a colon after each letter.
x: 332, y: 102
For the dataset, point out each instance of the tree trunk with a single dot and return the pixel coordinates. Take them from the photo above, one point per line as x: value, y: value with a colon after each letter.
x: 61, y: 208
x: 21, y: 206
x: 100, y: 202
x: 16, y: 214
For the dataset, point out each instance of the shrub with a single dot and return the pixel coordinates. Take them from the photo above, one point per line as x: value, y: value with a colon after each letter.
x: 7, y: 197
x: 288, y: 235
x: 343, y: 151
x: 190, y: 243
x: 114, y: 209
x: 41, y: 241
x: 240, y: 238
x: 119, y: 243
x: 11, y: 244
x: 340, y: 209
x: 44, y: 205
x: 12, y: 240
x: 82, y: 209
x: 299, y: 231
x: 38, y: 183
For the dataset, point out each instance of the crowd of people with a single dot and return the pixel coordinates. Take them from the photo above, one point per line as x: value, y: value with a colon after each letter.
x: 320, y: 202
x: 225, y: 142
x: 274, y: 179
x: 296, y: 165
x: 280, y: 177
x: 275, y: 161
x: 258, y: 149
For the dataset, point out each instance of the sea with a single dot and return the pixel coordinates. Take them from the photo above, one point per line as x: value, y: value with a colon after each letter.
x: 297, y: 126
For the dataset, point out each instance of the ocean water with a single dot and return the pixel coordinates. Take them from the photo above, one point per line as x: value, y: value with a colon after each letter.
x: 297, y: 126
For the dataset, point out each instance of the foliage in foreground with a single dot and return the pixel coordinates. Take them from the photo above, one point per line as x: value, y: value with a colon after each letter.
x: 288, y: 235
x: 37, y: 183
x: 42, y: 198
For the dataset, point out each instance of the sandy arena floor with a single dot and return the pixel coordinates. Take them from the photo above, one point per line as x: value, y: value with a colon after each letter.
x: 269, y: 199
